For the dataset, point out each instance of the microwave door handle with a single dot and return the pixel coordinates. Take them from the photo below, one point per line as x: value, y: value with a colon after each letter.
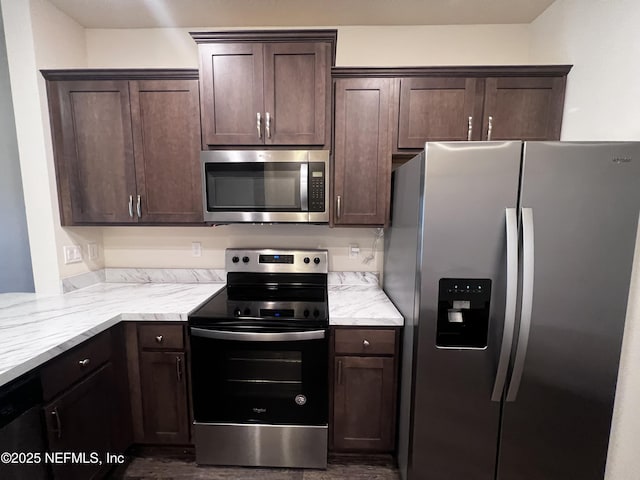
x: 258, y: 336
x: 304, y: 187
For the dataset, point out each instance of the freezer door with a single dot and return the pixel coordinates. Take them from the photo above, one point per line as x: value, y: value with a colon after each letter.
x: 468, y: 186
x: 582, y: 203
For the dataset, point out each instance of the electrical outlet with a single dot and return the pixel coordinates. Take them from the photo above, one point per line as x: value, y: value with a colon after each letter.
x: 354, y: 250
x: 196, y: 249
x: 94, y: 253
x: 72, y: 254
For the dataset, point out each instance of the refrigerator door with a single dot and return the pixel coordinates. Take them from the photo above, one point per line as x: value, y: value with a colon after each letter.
x: 468, y: 186
x: 584, y: 202
x: 402, y: 279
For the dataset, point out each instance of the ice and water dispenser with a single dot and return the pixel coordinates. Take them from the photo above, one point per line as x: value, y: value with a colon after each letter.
x: 463, y: 312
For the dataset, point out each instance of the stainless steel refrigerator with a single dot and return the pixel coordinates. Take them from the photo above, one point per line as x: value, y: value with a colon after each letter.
x: 511, y: 264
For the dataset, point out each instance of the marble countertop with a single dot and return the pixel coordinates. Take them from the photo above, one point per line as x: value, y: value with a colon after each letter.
x: 36, y: 328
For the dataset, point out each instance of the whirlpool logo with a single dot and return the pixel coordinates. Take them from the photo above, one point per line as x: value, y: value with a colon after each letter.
x: 619, y: 160
x: 259, y: 410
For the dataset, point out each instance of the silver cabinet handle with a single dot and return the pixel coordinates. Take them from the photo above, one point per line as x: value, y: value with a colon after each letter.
x: 258, y: 336
x: 365, y: 343
x: 469, y: 129
x: 304, y: 182
x: 339, y: 372
x: 268, y: 125
x: 526, y: 304
x: 131, y: 206
x: 85, y: 362
x: 179, y: 368
x: 338, y: 206
x: 510, y: 303
x: 159, y: 339
x: 490, y: 127
x: 139, y: 206
x: 259, y: 124
x: 56, y: 415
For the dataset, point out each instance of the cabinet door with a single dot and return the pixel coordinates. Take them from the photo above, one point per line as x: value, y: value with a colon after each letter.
x: 524, y: 108
x: 164, y: 397
x: 80, y: 421
x: 362, y: 151
x: 232, y: 97
x: 438, y: 109
x: 166, y: 134
x: 364, y: 415
x: 296, y: 79
x: 91, y: 127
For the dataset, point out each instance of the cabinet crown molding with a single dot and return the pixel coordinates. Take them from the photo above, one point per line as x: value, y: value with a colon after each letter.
x: 121, y: 74
x: 454, y: 71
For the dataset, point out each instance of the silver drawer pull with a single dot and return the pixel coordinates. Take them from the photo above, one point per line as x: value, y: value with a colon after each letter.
x: 365, y: 343
x: 85, y: 362
x: 159, y: 338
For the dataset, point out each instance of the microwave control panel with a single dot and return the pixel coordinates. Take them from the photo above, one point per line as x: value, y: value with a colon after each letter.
x: 316, y: 186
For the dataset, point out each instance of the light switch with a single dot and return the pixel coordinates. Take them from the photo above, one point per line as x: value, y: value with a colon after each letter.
x: 196, y: 249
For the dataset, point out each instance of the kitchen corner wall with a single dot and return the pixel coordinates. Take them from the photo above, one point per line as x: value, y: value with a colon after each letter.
x: 39, y: 36
x: 16, y: 274
x: 602, y: 40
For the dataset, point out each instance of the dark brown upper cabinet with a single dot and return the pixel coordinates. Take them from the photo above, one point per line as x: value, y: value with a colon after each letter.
x: 266, y: 88
x: 438, y: 108
x: 523, y: 108
x: 126, y: 146
x: 472, y: 103
x: 362, y: 157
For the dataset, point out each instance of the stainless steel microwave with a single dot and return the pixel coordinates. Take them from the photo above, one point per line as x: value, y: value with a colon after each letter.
x: 265, y: 186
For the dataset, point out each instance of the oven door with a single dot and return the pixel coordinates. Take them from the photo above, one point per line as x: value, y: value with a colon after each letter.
x: 260, y: 377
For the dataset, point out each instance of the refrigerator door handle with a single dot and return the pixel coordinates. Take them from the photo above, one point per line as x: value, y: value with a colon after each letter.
x: 527, y: 303
x: 510, y: 303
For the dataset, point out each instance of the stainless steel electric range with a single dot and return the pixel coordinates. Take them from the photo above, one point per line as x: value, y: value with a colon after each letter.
x: 259, y: 363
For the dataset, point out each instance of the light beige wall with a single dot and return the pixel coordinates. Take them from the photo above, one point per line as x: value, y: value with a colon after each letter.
x: 357, y: 46
x: 59, y: 42
x: 38, y: 35
x: 429, y: 45
x: 171, y: 247
x: 602, y: 40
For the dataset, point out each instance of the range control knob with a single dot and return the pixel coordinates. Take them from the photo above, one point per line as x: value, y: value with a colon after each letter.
x: 307, y: 259
x: 316, y: 260
x: 316, y: 312
x: 235, y: 259
x: 237, y: 312
x: 306, y: 312
x: 245, y: 259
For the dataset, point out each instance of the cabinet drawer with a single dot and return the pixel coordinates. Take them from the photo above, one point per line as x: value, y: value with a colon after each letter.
x: 161, y: 337
x: 71, y: 366
x: 365, y: 341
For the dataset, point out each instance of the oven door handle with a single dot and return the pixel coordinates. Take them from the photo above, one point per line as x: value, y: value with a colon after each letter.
x: 258, y: 336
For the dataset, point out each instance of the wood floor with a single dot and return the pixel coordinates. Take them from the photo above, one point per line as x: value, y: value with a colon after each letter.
x: 339, y: 468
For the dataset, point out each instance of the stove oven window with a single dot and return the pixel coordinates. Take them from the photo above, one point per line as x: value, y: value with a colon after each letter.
x: 283, y: 382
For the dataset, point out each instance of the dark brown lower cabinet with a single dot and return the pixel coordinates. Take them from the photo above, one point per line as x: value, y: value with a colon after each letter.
x: 157, y: 368
x: 365, y: 373
x: 364, y: 410
x: 164, y: 397
x: 80, y: 421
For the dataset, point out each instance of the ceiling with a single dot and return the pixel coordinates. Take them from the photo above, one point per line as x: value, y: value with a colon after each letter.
x: 263, y: 13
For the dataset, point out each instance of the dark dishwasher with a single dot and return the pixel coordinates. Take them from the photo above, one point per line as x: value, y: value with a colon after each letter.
x: 21, y: 431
